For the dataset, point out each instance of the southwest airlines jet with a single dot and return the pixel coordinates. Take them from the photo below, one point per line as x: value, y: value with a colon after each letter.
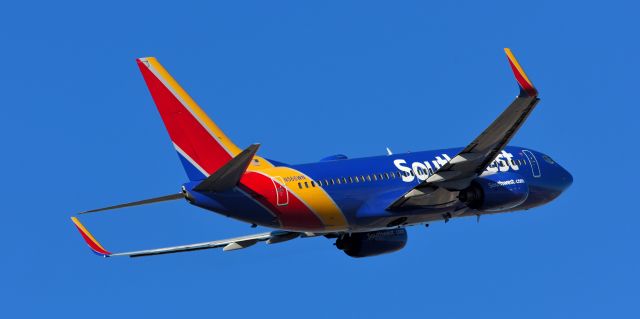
x: 365, y: 204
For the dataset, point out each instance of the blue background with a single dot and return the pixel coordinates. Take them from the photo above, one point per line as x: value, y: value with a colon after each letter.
x: 307, y: 80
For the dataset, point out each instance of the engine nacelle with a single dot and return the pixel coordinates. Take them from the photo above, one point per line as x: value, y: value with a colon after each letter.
x: 496, y: 192
x: 373, y: 243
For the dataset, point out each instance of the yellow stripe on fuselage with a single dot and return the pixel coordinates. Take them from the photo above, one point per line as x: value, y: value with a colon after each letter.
x: 314, y: 197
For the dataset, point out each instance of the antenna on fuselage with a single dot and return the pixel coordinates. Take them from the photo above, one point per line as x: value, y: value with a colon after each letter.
x: 389, y: 152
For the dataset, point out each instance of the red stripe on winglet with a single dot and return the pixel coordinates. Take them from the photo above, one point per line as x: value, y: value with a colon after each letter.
x: 92, y: 244
x: 524, y: 84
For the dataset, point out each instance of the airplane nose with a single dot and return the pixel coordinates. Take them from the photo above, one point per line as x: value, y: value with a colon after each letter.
x: 565, y: 179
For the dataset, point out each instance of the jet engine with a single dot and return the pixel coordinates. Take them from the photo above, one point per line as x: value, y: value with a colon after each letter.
x: 372, y: 243
x: 496, y: 192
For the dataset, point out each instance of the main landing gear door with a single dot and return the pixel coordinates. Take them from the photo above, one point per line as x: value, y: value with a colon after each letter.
x: 282, y: 194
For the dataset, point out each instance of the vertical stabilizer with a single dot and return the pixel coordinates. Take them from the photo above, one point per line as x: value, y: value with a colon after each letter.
x: 202, y: 146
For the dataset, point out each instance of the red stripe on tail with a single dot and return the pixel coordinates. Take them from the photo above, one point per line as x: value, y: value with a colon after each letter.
x: 184, y: 128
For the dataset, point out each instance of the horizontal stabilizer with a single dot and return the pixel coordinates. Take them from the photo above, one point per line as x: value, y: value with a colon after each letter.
x: 138, y: 203
x: 228, y: 176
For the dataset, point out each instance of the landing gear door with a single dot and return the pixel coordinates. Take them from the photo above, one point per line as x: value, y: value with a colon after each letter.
x: 535, y: 168
x: 282, y: 194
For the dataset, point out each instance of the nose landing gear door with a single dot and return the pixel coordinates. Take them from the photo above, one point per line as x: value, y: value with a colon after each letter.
x: 282, y: 194
x: 535, y: 168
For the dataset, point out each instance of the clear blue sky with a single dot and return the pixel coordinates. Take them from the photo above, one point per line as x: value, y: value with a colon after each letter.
x: 309, y: 80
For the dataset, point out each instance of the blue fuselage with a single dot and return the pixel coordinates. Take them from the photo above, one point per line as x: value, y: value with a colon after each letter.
x: 363, y: 188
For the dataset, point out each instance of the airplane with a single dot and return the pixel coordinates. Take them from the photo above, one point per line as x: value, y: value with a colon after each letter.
x: 365, y: 204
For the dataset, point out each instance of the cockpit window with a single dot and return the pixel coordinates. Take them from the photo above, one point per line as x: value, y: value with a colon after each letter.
x: 548, y: 159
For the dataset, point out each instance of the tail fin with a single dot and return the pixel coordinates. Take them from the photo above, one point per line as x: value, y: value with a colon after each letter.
x: 202, y: 147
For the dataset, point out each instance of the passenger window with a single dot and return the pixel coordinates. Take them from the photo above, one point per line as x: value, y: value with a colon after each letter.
x: 357, y: 180
x: 299, y: 185
x: 350, y: 179
x: 375, y: 177
x: 344, y: 180
x: 313, y: 184
x: 306, y: 184
x: 326, y: 182
x: 380, y: 176
x: 338, y: 181
x: 319, y: 183
x: 368, y: 178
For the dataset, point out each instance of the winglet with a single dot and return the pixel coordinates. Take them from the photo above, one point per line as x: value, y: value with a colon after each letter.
x: 525, y: 84
x: 91, y: 241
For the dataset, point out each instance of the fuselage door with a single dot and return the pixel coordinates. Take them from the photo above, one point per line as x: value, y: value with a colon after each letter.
x: 282, y: 194
x: 535, y: 168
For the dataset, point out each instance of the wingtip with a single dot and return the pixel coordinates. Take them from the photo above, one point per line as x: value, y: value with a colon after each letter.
x: 89, y: 239
x: 526, y: 86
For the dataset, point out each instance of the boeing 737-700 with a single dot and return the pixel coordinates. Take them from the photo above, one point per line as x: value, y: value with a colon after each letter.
x: 365, y: 204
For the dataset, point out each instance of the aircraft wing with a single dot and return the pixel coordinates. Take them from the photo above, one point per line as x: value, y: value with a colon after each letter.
x: 470, y: 163
x: 226, y: 244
